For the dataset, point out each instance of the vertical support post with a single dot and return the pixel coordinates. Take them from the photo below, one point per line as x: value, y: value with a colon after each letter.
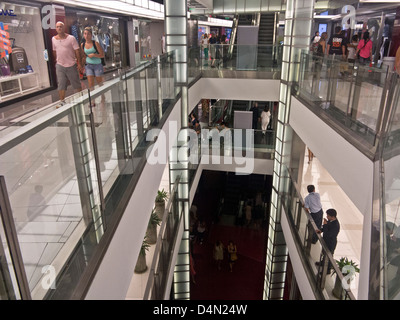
x: 90, y: 194
x: 176, y: 39
x: 12, y: 242
x: 298, y: 14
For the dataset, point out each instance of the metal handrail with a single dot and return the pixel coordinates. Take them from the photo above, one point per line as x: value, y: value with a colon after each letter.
x: 325, y: 248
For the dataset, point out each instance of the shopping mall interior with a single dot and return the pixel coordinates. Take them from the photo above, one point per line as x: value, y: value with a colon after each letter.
x: 210, y: 121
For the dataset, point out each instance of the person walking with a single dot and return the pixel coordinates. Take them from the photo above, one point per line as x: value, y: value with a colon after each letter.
x: 365, y: 49
x: 232, y: 251
x: 256, y: 115
x: 337, y: 43
x: 93, y: 53
x: 205, y: 44
x: 265, y: 117
x: 312, y: 203
x: 351, y: 48
x: 66, y: 55
x: 218, y: 253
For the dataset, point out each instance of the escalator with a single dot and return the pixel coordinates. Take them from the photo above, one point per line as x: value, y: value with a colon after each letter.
x: 265, y: 40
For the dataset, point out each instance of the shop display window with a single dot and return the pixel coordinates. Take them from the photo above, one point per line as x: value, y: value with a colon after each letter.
x: 23, y: 65
x: 106, y: 31
x: 145, y: 41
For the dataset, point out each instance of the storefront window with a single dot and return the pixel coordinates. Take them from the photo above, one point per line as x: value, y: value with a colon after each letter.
x: 145, y: 41
x: 106, y: 31
x: 23, y: 59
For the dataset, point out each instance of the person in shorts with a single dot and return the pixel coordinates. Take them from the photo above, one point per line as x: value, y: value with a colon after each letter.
x: 66, y: 54
x: 92, y: 57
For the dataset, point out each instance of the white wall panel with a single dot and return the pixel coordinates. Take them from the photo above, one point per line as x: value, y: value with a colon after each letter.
x: 352, y: 170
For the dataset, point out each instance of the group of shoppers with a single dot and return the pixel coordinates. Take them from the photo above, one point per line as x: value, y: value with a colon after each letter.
x: 219, y: 250
x: 215, y: 45
x: 359, y: 50
x: 71, y: 59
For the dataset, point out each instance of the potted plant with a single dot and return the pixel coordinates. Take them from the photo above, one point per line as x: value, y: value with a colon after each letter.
x: 348, y: 268
x: 154, y: 221
x: 141, y: 265
x: 160, y: 202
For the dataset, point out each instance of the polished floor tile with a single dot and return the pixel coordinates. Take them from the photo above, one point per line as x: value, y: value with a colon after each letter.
x: 350, y: 218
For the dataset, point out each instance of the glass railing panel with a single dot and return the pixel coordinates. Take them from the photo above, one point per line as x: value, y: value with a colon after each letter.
x: 152, y: 94
x: 242, y: 58
x: 45, y: 105
x: 9, y: 286
x: 351, y: 94
x: 168, y: 87
x: 46, y: 174
x: 111, y: 129
x: 132, y: 86
x: 10, y: 125
x: 368, y: 102
x: 393, y: 135
x: 221, y: 141
x: 68, y: 171
x: 194, y: 63
x: 391, y: 199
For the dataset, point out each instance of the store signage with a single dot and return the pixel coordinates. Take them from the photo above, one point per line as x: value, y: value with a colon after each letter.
x: 7, y: 13
x: 350, y: 12
x: 49, y: 17
x: 5, y: 43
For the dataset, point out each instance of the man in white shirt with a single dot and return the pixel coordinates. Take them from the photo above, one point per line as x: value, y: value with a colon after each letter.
x: 312, y: 203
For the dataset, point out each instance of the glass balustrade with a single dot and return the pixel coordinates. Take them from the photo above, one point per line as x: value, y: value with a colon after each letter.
x: 390, y: 199
x: 67, y: 169
x: 352, y: 94
x: 259, y: 58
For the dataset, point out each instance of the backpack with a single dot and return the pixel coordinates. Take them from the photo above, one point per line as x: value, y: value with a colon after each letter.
x: 103, y: 61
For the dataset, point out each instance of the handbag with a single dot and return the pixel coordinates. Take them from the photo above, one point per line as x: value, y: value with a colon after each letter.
x: 234, y: 256
x: 5, y: 70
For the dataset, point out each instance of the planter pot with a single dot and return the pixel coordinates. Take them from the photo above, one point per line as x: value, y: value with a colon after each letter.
x: 152, y: 234
x: 141, y: 265
x: 160, y: 208
x: 338, y: 290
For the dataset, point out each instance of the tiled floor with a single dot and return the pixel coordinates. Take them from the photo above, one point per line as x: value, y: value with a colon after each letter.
x: 350, y: 218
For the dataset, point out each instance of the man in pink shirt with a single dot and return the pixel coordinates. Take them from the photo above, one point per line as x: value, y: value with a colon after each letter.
x: 66, y: 53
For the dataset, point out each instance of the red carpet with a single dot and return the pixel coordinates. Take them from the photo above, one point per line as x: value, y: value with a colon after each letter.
x: 246, y: 282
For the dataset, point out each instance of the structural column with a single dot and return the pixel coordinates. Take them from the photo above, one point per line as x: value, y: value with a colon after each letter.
x: 176, y: 40
x: 298, y: 23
